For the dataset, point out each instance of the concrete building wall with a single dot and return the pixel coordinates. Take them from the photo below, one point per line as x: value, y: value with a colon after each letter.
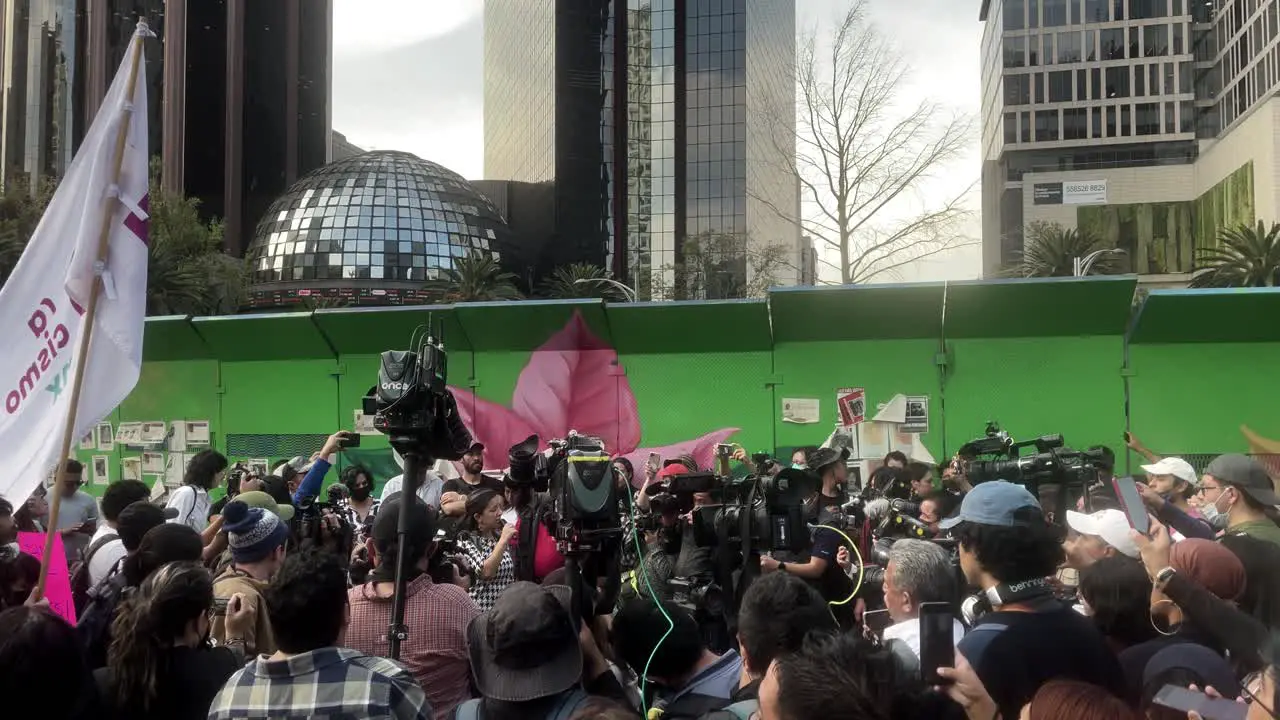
x: 1257, y: 138
x: 1125, y: 186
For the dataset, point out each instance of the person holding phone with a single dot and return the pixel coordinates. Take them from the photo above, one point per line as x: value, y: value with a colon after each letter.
x: 161, y: 663
x: 316, y: 468
x: 77, y: 513
x: 919, y: 573
x: 1008, y: 550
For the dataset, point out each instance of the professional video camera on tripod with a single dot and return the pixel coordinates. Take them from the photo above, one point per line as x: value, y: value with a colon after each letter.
x: 996, y: 456
x: 580, y: 511
x: 412, y: 406
x: 1053, y: 474
x: 761, y: 512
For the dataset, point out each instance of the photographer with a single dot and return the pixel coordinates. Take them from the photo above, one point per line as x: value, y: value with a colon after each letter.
x: 535, y: 549
x: 829, y: 465
x: 818, y: 566
x: 316, y: 469
x: 821, y: 570
x: 257, y: 538
x: 1007, y: 550
x: 691, y: 561
x: 800, y: 457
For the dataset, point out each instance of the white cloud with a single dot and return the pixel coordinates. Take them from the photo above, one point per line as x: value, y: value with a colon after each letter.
x: 363, y: 26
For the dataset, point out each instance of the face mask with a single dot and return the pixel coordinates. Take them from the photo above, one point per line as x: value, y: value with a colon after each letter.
x: 361, y: 494
x: 797, y: 466
x: 1214, y: 516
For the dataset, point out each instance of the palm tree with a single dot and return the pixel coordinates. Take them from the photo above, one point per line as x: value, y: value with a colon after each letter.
x: 477, y: 277
x: 21, y: 207
x: 1051, y: 250
x: 1245, y: 257
x: 582, y: 280
x: 187, y: 273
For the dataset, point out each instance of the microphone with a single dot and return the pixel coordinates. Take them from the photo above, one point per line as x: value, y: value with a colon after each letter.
x: 906, y: 508
x: 878, y: 510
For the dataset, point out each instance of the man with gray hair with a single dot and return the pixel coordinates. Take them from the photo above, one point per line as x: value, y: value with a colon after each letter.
x: 918, y: 572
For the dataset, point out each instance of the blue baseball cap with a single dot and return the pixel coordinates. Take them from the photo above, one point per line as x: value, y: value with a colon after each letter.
x: 992, y: 503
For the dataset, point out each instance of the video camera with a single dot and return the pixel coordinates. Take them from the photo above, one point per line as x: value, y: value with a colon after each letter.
x: 412, y: 405
x: 767, y: 510
x: 697, y: 594
x: 578, y: 474
x: 1052, y: 462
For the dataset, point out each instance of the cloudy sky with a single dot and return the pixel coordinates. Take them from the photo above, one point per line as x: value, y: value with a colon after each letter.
x: 408, y: 76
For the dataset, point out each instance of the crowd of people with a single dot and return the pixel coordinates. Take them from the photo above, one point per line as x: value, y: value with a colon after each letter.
x: 276, y: 600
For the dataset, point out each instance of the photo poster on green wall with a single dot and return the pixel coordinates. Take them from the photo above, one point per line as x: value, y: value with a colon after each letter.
x: 1038, y: 357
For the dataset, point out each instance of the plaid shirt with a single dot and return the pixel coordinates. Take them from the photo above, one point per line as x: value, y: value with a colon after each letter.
x: 436, y: 616
x: 329, y: 684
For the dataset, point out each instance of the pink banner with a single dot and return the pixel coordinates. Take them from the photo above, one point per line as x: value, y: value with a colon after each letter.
x: 58, y: 587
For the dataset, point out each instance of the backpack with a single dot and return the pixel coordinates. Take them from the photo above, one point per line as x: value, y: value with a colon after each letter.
x: 80, y: 580
x: 563, y: 710
x: 94, y: 625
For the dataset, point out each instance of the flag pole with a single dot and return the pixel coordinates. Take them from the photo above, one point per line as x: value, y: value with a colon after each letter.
x: 90, y: 311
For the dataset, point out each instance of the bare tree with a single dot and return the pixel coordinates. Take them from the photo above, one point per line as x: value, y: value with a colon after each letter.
x: 717, y: 265
x: 862, y: 156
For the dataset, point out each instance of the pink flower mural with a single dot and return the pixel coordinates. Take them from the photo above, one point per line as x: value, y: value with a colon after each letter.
x: 573, y: 381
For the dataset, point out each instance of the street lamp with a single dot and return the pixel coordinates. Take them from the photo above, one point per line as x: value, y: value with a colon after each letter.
x: 627, y: 291
x: 1082, y: 266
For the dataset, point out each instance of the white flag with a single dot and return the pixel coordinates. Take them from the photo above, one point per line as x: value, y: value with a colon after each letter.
x: 42, y: 304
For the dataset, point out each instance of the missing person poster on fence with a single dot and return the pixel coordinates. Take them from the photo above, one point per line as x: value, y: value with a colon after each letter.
x: 852, y: 406
x: 917, y: 418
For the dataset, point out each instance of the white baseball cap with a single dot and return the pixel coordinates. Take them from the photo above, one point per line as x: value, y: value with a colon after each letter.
x: 1176, y: 467
x: 1110, y: 525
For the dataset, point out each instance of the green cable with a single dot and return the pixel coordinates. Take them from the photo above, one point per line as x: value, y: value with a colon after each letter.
x: 671, y: 624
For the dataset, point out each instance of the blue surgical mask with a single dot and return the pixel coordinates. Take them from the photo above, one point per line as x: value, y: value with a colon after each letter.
x: 797, y: 466
x: 1214, y: 516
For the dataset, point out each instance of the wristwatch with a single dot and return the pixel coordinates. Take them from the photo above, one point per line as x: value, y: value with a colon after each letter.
x: 782, y: 566
x: 1162, y: 578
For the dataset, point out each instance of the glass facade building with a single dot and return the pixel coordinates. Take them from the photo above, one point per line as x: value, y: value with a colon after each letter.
x: 552, y: 102
x: 1106, y: 84
x: 39, y: 124
x: 256, y: 118
x: 370, y: 229
x: 657, y: 121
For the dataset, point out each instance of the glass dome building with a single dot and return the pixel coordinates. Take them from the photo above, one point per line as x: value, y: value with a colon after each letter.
x: 369, y: 230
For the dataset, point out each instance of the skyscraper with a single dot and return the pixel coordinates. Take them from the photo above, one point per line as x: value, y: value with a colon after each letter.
x: 239, y: 92
x: 658, y: 122
x: 1149, y: 124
